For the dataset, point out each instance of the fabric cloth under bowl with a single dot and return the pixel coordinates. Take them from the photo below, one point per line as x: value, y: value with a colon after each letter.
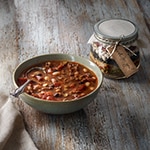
x: 13, y: 135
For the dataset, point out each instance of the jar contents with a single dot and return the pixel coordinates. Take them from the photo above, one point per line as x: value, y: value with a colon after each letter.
x: 113, y: 33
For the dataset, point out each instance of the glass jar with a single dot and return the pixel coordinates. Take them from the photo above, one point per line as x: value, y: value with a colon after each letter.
x: 114, y: 32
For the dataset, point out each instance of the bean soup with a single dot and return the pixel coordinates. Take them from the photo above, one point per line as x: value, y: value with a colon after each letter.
x: 59, y: 81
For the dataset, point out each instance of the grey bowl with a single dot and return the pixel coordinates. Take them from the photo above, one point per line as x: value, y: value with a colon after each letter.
x: 53, y: 107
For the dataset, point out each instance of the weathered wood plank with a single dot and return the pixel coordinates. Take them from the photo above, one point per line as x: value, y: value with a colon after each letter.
x: 119, y: 118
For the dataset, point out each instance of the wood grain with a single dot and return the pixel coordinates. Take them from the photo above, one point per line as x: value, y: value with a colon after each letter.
x: 119, y: 118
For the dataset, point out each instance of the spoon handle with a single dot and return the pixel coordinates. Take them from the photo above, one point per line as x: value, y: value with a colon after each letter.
x: 20, y: 89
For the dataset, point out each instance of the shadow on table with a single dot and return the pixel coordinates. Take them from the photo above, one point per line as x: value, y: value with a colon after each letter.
x: 82, y: 128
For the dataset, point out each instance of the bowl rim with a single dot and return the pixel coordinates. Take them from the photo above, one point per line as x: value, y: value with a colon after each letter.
x: 68, y: 55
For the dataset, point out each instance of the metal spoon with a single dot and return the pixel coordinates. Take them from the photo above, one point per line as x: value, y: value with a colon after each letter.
x: 20, y: 89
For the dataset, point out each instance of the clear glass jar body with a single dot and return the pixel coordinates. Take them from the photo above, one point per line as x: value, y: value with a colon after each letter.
x: 108, y: 66
x: 100, y: 55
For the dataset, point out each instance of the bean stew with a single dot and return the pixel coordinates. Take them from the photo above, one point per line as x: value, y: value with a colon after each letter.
x: 59, y: 81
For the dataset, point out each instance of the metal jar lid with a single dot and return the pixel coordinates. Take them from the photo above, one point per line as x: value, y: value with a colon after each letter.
x: 109, y: 31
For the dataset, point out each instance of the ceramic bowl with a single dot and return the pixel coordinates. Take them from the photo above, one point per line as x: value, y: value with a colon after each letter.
x: 55, y: 107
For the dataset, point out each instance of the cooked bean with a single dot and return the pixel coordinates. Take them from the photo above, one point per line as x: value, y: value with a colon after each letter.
x: 82, y: 94
x: 87, y: 84
x: 49, y: 70
x: 94, y: 78
x: 92, y: 88
x: 66, y: 94
x: 45, y: 84
x: 85, y: 70
x: 56, y: 73
x: 29, y: 87
x: 58, y: 90
x: 53, y: 80
x: 46, y: 78
x: 35, y: 87
x: 76, y: 73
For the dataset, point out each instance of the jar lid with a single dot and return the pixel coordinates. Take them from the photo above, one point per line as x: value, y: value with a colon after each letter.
x: 112, y: 30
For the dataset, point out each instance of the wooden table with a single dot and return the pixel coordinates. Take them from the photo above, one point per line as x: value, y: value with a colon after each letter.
x: 119, y: 118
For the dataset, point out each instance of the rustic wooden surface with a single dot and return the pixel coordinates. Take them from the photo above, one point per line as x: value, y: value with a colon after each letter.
x: 119, y: 118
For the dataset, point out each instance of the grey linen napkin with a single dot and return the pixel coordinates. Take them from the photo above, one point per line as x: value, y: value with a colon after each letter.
x: 13, y: 135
